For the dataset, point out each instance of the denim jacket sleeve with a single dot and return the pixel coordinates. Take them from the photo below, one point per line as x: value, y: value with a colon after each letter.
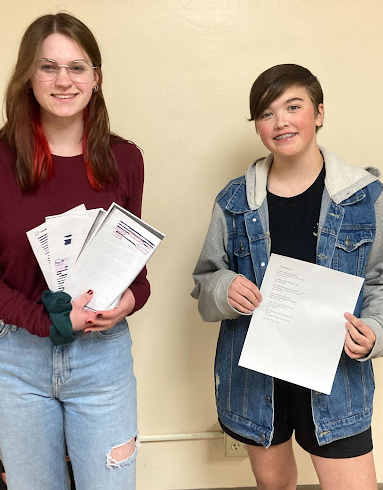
x: 212, y: 274
x: 372, y: 312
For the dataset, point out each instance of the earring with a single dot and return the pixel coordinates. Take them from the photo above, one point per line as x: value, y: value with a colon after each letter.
x: 95, y: 89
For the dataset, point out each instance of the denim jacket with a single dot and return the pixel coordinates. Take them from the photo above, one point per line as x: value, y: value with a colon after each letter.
x: 350, y: 239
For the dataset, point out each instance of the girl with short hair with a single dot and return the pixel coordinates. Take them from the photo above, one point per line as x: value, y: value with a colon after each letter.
x: 300, y: 201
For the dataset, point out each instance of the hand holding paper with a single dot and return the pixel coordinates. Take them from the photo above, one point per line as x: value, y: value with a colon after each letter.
x: 106, y: 319
x: 360, y: 338
x: 244, y: 295
x: 79, y: 316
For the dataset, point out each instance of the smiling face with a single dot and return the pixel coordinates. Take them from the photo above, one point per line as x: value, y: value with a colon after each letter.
x: 61, y: 97
x: 288, y: 126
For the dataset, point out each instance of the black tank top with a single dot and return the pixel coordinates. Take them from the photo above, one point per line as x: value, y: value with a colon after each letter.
x: 294, y: 221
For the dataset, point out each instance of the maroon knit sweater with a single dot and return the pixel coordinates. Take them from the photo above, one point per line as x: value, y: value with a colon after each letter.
x: 21, y: 281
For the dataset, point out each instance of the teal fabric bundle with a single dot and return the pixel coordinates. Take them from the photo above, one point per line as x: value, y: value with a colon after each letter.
x: 59, y: 306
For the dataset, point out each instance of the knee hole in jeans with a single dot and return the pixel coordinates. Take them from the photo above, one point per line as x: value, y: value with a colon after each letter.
x: 121, y: 454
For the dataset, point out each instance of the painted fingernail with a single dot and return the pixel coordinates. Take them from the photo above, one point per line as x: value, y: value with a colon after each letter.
x: 99, y: 315
x: 90, y: 291
x: 89, y: 321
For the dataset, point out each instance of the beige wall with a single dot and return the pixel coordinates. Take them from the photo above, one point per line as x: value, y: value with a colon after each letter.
x: 177, y: 78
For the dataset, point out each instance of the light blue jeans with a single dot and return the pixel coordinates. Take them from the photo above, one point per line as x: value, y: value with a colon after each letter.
x: 81, y: 394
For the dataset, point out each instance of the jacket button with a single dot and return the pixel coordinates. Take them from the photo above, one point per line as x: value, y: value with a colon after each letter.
x: 268, y: 399
x: 254, y: 219
x: 324, y: 433
x: 263, y: 437
x: 263, y: 264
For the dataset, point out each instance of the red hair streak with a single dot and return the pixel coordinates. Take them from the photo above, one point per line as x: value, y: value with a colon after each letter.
x: 42, y: 157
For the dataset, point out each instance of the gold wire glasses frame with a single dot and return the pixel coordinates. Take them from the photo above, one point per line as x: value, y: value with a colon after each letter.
x: 80, y: 71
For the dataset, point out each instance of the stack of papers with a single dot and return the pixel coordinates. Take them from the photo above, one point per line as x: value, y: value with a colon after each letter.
x: 93, y: 249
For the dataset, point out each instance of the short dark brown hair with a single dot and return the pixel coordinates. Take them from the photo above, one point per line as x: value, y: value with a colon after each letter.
x: 273, y: 82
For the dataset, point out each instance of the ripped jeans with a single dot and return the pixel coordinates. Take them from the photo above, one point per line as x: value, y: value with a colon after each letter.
x: 82, y: 395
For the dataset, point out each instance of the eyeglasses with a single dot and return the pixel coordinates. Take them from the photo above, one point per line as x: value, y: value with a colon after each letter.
x: 79, y: 71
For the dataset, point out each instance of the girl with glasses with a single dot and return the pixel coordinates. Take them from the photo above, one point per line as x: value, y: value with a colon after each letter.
x: 300, y: 201
x: 65, y: 379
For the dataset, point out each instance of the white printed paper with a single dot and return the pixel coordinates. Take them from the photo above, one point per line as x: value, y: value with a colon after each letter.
x: 93, y: 249
x: 67, y: 234
x: 113, y: 258
x: 38, y: 239
x: 298, y: 331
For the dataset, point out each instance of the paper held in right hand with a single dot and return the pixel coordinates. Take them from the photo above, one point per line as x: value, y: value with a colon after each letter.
x: 297, y: 333
x: 112, y: 259
x: 93, y: 249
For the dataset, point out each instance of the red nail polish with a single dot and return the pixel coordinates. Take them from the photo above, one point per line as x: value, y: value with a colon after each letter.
x: 90, y: 291
x: 89, y: 321
x: 99, y: 315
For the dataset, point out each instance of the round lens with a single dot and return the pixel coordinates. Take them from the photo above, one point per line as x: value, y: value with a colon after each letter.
x: 80, y: 71
x: 46, y: 70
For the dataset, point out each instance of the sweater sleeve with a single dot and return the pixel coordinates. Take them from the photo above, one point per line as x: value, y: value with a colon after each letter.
x: 17, y: 309
x: 140, y: 287
x: 212, y: 274
x: 372, y: 312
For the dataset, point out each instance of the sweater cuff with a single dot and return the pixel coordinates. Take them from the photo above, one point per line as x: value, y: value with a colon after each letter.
x: 59, y: 307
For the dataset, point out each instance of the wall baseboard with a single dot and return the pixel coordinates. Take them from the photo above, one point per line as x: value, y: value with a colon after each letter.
x: 299, y: 487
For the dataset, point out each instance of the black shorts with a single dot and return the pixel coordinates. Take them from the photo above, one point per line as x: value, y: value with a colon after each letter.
x: 292, y: 411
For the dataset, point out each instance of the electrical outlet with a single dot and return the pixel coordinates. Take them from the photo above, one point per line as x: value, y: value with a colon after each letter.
x: 234, y: 448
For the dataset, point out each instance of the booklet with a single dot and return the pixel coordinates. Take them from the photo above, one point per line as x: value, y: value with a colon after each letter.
x: 99, y: 250
x: 38, y: 239
x: 297, y: 333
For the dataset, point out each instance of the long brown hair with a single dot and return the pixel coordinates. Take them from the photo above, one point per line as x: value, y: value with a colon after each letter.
x: 23, y: 131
